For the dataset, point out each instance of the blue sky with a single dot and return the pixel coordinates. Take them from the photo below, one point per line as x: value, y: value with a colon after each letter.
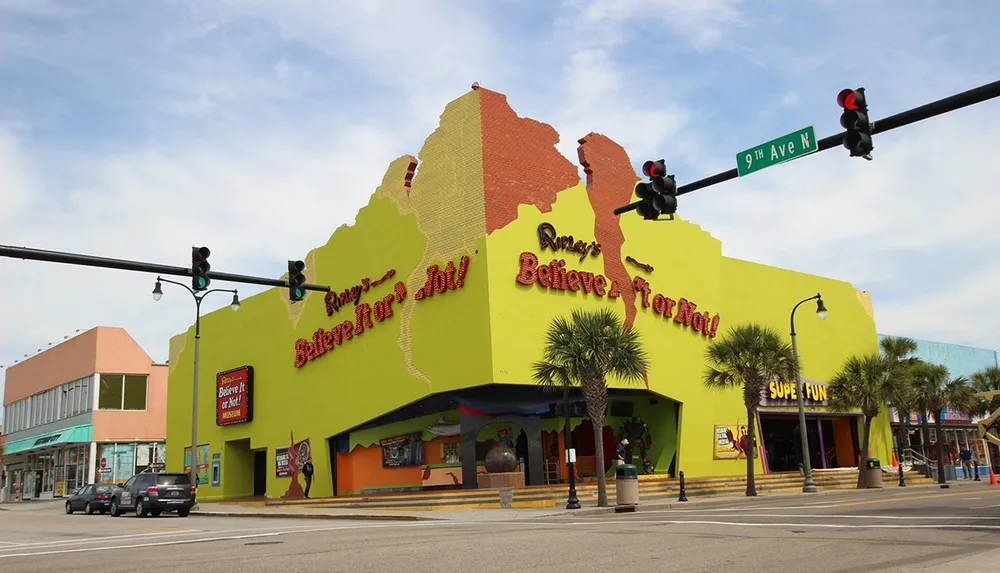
x: 277, y: 120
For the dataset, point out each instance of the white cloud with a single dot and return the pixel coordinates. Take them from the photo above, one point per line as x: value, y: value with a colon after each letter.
x: 256, y: 202
x: 17, y: 185
x: 598, y: 101
x: 963, y: 313
x: 704, y: 24
x: 928, y: 188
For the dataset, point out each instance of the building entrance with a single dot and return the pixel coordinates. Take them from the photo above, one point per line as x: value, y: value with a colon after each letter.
x: 833, y: 441
x: 260, y: 472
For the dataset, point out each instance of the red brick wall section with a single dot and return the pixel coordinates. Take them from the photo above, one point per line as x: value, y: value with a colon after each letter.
x: 610, y: 182
x: 410, y: 171
x: 520, y: 162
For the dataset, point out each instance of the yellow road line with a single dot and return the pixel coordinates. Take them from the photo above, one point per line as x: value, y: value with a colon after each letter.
x: 896, y: 499
x: 91, y: 525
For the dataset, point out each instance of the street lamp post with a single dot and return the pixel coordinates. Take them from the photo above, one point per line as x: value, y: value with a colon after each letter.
x: 157, y: 293
x: 808, y: 486
x: 572, y: 502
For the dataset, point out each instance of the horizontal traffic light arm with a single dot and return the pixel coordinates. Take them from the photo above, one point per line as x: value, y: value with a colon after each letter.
x: 139, y: 266
x: 927, y: 111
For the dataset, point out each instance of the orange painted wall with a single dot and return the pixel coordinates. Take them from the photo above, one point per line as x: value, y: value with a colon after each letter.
x: 106, y: 350
x: 148, y: 425
x: 843, y: 442
x: 119, y: 353
x: 70, y: 360
x: 433, y: 449
x: 363, y: 466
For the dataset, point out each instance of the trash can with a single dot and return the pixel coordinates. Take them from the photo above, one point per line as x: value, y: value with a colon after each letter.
x: 627, y: 485
x: 873, y: 473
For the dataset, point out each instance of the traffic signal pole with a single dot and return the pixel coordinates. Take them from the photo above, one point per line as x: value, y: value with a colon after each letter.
x: 927, y: 111
x: 139, y: 266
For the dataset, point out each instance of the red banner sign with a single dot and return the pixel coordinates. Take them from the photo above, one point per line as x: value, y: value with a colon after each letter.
x: 234, y: 396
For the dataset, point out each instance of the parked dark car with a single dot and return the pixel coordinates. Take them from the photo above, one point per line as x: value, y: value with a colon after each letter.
x: 90, y: 498
x: 154, y: 493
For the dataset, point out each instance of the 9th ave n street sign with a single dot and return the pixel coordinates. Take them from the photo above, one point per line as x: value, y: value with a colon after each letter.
x: 784, y: 148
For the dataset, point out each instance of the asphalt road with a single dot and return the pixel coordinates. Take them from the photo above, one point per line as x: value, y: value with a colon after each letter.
x: 920, y: 529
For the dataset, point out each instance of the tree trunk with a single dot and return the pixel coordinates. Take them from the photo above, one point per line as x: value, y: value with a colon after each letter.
x: 865, y: 443
x: 902, y: 443
x: 940, y: 446
x: 751, y: 440
x: 925, y: 436
x: 602, y: 486
x: 595, y: 392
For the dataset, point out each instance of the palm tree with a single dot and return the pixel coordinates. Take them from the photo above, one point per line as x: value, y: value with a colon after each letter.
x: 986, y: 380
x: 584, y: 351
x: 935, y: 392
x: 749, y: 356
x: 898, y: 351
x: 867, y: 382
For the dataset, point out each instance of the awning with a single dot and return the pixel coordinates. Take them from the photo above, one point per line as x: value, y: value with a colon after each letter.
x: 71, y: 435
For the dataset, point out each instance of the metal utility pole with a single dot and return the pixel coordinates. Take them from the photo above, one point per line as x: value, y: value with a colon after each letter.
x: 139, y: 266
x: 927, y: 111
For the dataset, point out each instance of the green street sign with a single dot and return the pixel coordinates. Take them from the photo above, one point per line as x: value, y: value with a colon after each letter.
x: 780, y: 150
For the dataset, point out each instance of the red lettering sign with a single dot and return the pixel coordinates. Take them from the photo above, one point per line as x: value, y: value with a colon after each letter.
x: 555, y: 276
x: 234, y: 396
x: 366, y: 316
x: 335, y: 301
x: 547, y: 239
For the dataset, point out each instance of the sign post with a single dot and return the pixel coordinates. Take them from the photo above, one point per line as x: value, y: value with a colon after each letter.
x: 780, y: 150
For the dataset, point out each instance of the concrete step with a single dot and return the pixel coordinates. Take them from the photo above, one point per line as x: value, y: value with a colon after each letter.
x: 549, y: 496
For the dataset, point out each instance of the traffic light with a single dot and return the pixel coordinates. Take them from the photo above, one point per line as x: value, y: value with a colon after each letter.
x: 200, y: 268
x: 858, y: 139
x: 659, y: 196
x: 295, y: 281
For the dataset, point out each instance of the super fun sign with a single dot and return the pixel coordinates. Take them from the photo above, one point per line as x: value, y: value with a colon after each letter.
x: 234, y: 396
x: 779, y: 393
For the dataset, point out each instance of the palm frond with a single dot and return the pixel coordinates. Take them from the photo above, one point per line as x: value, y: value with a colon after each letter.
x: 986, y: 380
x: 897, y: 348
x: 865, y: 382
x: 590, y: 344
x: 749, y: 356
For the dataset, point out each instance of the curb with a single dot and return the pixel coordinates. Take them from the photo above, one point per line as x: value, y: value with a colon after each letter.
x: 355, y: 516
x: 729, y: 500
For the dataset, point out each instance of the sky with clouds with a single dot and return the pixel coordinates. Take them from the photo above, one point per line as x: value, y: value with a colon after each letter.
x: 136, y: 129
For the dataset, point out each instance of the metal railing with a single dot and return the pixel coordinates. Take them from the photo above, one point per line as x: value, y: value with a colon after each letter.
x: 912, y: 457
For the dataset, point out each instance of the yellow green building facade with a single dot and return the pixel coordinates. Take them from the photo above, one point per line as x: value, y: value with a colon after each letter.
x: 419, y: 359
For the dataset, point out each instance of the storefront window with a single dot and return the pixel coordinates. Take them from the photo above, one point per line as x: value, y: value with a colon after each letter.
x: 122, y: 461
x: 143, y: 457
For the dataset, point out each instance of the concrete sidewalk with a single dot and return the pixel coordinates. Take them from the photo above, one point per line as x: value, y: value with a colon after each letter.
x: 223, y: 509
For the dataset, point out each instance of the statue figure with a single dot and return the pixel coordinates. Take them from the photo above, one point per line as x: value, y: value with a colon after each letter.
x: 638, y: 435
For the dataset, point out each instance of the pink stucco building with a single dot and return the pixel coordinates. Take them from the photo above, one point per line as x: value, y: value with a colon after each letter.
x: 91, y: 409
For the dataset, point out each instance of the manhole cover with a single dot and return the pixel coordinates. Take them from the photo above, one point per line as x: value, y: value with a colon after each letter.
x: 263, y: 543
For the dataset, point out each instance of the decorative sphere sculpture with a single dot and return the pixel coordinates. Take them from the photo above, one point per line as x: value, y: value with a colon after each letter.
x: 501, y: 459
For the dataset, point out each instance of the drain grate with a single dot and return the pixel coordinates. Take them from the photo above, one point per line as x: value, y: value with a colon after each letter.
x: 263, y: 543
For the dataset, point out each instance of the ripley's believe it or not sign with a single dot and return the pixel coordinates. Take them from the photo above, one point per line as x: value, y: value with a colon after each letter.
x: 556, y: 276
x: 439, y: 281
x: 234, y: 396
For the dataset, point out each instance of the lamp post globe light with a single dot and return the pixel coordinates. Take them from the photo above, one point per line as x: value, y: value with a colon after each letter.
x: 808, y: 486
x: 198, y: 296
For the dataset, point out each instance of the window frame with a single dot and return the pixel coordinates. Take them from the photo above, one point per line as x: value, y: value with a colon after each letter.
x: 121, y: 406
